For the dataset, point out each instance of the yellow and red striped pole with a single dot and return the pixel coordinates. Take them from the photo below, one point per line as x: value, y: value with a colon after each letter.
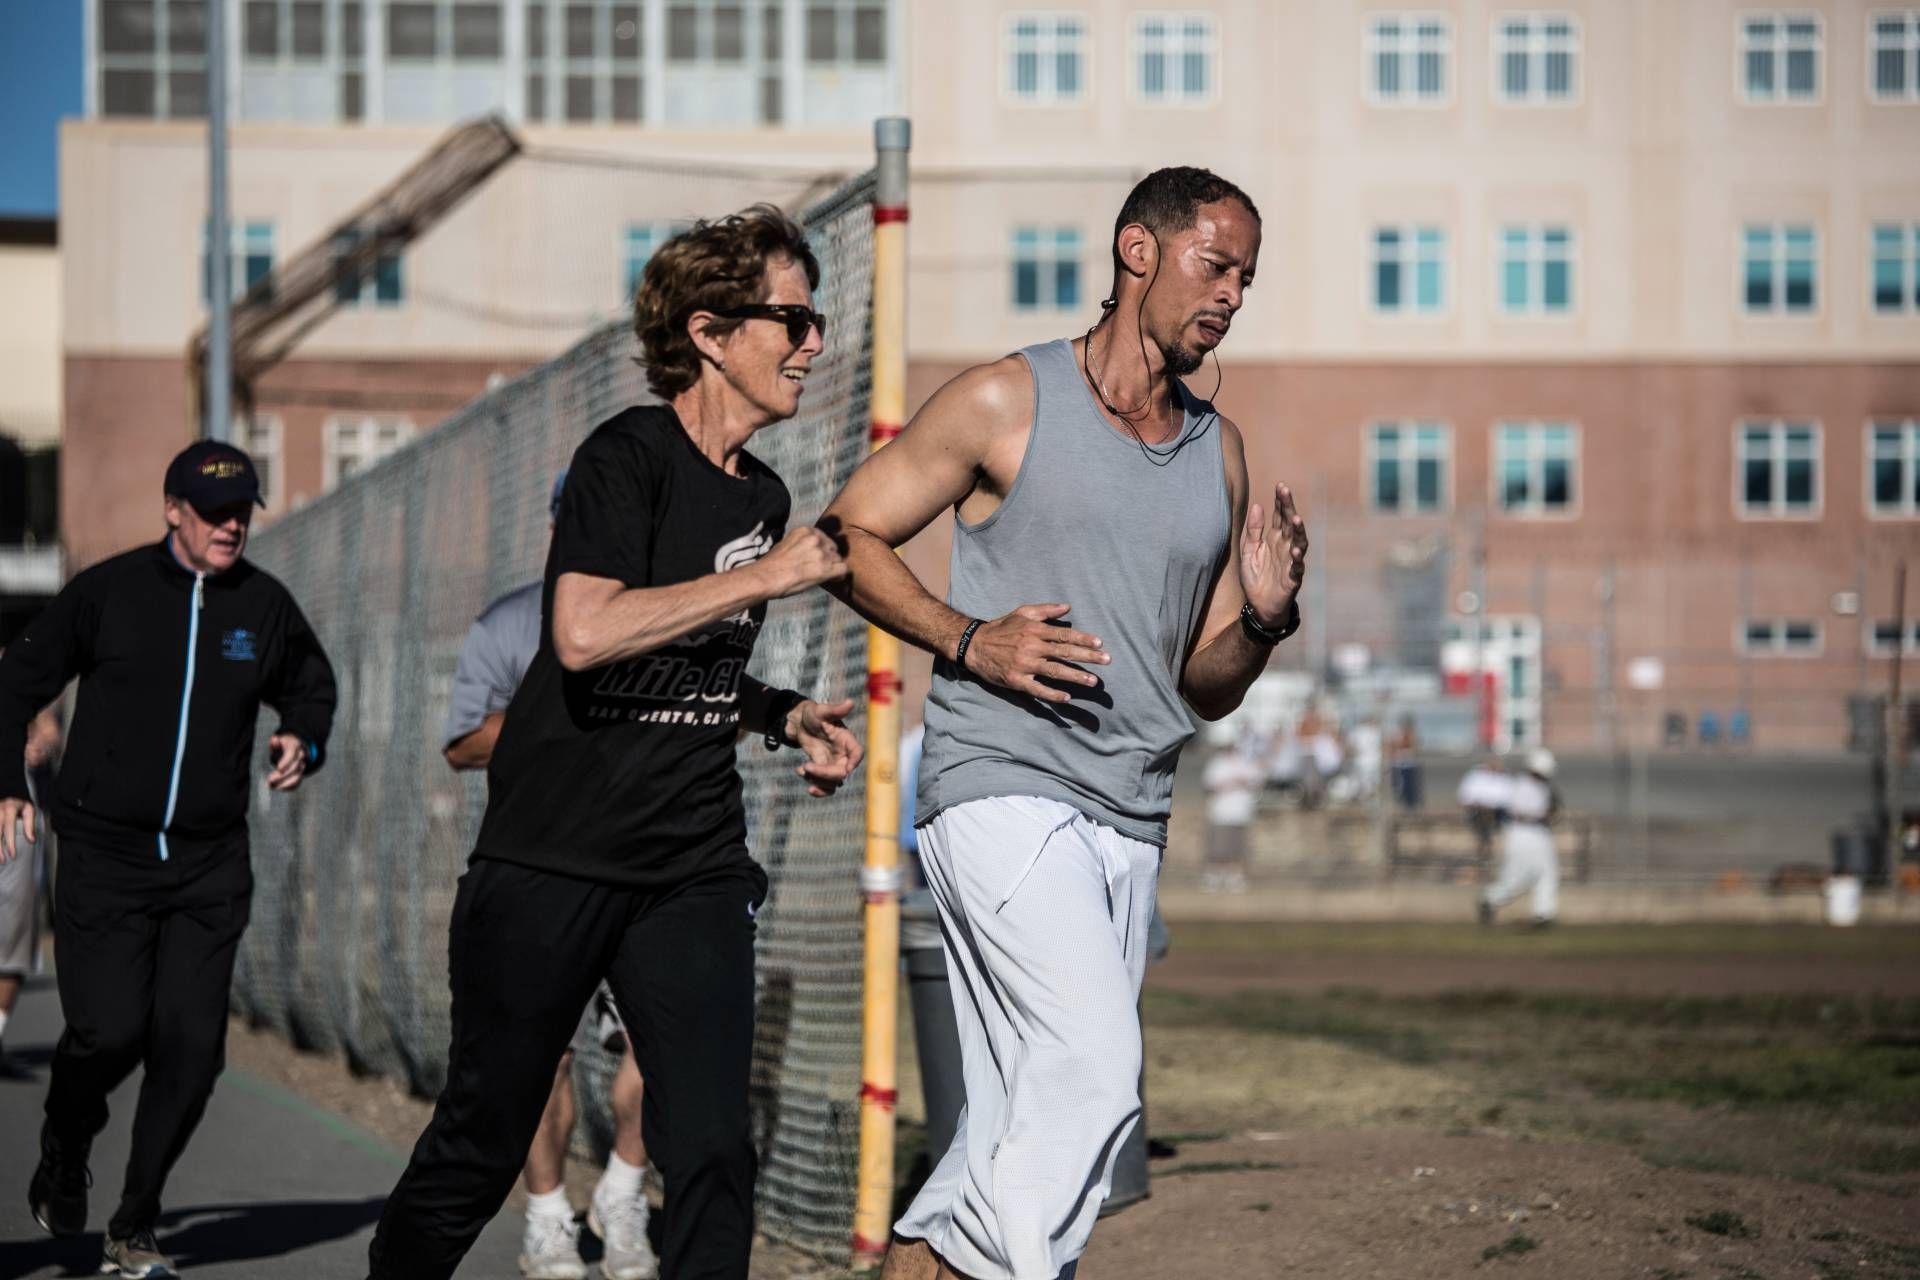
x: 880, y: 875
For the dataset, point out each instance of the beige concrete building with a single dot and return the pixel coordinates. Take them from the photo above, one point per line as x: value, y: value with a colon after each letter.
x: 31, y: 568
x: 1591, y: 326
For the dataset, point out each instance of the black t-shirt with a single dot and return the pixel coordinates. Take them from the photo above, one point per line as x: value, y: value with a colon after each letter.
x: 625, y: 774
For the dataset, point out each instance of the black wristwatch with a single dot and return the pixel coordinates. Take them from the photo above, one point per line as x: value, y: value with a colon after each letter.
x: 1260, y: 633
x: 780, y: 705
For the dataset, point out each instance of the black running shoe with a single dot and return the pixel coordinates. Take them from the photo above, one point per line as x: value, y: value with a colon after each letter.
x: 58, y: 1192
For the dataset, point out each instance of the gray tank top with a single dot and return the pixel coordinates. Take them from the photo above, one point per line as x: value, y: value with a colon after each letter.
x: 1132, y: 543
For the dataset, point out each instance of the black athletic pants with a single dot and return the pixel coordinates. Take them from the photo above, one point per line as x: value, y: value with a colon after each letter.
x: 527, y: 949
x: 144, y: 951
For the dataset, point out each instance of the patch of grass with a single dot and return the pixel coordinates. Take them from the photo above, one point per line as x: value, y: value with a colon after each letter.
x: 1276, y: 1013
x: 1222, y: 1166
x: 1722, y: 1222
x: 1511, y: 1247
x: 1668, y: 1273
x: 1598, y: 941
x: 1261, y: 1206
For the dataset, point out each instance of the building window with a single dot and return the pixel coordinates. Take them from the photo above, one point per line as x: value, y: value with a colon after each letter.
x: 850, y: 32
x: 1894, y: 48
x: 1173, y: 55
x: 1780, y: 265
x: 1536, y: 270
x: 641, y: 241
x: 1896, y: 268
x: 1893, y: 467
x: 441, y: 30
x: 1536, y: 57
x: 261, y: 439
x: 584, y: 56
x: 1409, y: 270
x: 1045, y: 57
x: 1778, y: 637
x: 1535, y: 468
x: 1780, y: 56
x: 152, y: 58
x: 1046, y: 268
x: 1407, y: 57
x: 1779, y: 465
x: 355, y: 443
x: 1407, y: 466
x: 703, y: 33
x: 1884, y: 635
x: 249, y: 261
x: 380, y: 283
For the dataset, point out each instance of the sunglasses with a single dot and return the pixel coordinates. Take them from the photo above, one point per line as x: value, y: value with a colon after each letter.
x: 797, y: 318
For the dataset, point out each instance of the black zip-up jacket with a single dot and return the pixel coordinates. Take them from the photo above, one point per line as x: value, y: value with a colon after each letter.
x: 158, y: 755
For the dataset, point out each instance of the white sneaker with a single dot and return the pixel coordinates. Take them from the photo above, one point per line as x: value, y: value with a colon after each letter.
x: 621, y: 1223
x: 550, y: 1249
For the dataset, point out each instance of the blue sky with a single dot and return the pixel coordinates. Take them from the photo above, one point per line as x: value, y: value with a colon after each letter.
x: 40, y: 74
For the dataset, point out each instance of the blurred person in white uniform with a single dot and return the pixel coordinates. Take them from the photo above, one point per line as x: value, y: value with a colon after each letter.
x: 1527, y: 857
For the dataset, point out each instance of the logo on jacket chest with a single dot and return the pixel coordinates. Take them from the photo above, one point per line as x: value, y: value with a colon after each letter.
x: 240, y: 645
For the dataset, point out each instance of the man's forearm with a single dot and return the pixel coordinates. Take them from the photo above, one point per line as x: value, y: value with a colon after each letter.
x: 1219, y: 673
x: 881, y: 589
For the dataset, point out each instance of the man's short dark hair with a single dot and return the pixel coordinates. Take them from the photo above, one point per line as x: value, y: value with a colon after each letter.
x: 1166, y: 202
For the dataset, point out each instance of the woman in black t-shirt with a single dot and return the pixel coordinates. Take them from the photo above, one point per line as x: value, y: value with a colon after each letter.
x: 614, y: 842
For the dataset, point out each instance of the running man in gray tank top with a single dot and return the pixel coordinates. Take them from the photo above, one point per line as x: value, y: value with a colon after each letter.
x: 1109, y: 574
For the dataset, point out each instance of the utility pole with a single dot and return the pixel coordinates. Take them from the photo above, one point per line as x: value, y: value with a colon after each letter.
x: 219, y: 423
x: 1896, y: 744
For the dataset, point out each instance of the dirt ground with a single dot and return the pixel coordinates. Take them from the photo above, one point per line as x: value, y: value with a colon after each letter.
x: 1598, y: 1104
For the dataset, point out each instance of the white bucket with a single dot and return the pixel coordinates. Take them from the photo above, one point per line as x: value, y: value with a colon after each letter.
x: 1843, y: 900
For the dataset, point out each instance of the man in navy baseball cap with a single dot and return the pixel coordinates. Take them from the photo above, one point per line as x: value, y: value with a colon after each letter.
x: 177, y: 646
x: 211, y: 491
x: 211, y: 475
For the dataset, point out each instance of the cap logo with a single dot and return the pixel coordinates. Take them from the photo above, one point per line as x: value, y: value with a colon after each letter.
x: 223, y: 468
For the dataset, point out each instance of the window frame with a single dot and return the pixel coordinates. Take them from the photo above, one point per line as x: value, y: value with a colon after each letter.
x: 1779, y: 50
x: 1910, y: 96
x: 1409, y: 58
x: 1777, y: 647
x: 1048, y: 239
x: 1776, y: 511
x: 601, y: 67
x: 1536, y: 509
x: 274, y: 492
x: 1536, y: 262
x: 1909, y: 260
x: 1407, y: 456
x: 240, y: 238
x: 367, y: 290
x: 1409, y: 262
x: 162, y: 63
x: 1176, y: 54
x: 1536, y: 52
x: 1047, y: 52
x: 337, y: 423
x: 1909, y: 506
x: 1778, y: 309
x: 846, y: 35
x: 1908, y: 644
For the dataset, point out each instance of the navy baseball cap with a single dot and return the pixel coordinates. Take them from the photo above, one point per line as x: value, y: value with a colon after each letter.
x: 209, y: 475
x: 559, y: 487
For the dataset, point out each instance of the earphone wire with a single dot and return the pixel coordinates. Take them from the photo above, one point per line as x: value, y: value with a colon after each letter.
x: 1157, y: 455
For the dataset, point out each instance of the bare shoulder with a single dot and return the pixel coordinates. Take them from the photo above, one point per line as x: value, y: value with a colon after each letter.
x: 1233, y: 447
x: 996, y: 395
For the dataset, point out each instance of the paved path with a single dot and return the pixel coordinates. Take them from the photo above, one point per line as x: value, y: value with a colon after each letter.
x: 270, y: 1184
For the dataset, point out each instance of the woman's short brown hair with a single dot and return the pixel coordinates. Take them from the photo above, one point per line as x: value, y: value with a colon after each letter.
x: 714, y: 265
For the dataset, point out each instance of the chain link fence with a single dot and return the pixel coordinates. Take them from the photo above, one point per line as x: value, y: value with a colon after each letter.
x: 355, y: 873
